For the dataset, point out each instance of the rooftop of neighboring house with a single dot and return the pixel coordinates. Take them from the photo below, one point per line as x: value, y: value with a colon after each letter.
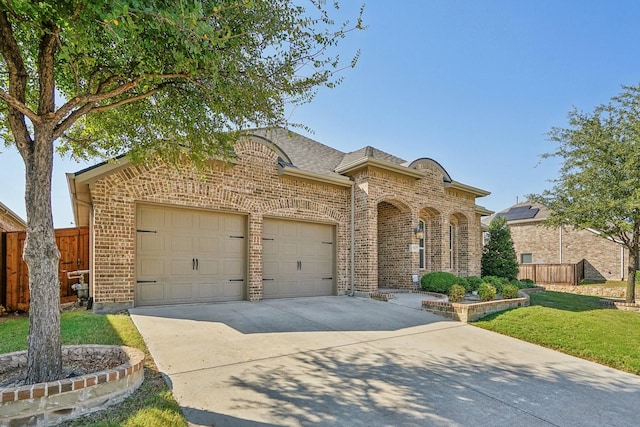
x: 521, y: 213
x: 10, y: 221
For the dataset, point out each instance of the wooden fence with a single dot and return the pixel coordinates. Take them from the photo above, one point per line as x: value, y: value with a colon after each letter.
x: 73, y: 244
x: 553, y: 274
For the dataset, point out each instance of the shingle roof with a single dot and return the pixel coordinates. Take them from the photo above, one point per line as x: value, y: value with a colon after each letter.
x: 308, y: 154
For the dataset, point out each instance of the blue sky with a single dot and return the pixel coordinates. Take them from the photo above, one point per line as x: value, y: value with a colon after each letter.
x: 473, y: 84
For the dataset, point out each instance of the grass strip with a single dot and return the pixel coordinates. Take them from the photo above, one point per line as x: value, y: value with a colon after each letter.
x: 574, y: 324
x: 151, y: 405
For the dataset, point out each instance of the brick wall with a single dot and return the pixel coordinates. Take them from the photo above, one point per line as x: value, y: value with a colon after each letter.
x: 425, y: 199
x: 387, y: 204
x: 604, y: 259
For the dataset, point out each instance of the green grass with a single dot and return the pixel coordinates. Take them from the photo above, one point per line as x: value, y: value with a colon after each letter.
x: 575, y: 325
x: 151, y: 405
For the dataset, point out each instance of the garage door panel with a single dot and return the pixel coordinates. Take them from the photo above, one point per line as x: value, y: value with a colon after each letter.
x: 151, y: 292
x: 150, y: 218
x: 182, y: 220
x: 181, y: 291
x: 151, y: 267
x: 152, y: 242
x: 182, y: 243
x: 172, y: 239
x: 297, y: 256
x: 234, y: 247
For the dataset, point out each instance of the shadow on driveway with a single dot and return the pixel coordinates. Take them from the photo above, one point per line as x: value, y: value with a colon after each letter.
x: 339, y: 361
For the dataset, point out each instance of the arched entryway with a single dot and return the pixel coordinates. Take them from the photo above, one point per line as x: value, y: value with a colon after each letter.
x: 457, y: 260
x: 394, y: 237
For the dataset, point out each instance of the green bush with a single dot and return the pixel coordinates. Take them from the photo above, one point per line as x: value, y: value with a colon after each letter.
x: 474, y: 283
x: 509, y: 291
x: 464, y: 282
x: 438, y: 281
x: 456, y: 293
x: 486, y: 292
x: 526, y: 283
x: 496, y: 282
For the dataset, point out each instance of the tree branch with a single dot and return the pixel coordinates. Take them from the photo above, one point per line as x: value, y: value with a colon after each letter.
x: 14, y: 103
x: 46, y: 80
x: 128, y: 100
x: 16, y: 98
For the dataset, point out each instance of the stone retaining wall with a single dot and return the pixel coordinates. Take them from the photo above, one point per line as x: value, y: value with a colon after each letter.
x: 51, y: 403
x: 598, y: 291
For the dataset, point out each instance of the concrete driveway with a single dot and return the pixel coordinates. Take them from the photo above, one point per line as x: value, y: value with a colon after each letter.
x: 341, y: 361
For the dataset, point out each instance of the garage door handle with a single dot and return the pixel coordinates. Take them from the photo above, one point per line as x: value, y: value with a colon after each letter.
x: 146, y: 231
x: 193, y: 263
x: 146, y: 281
x: 327, y: 278
x: 265, y: 280
x: 197, y: 263
x: 236, y: 280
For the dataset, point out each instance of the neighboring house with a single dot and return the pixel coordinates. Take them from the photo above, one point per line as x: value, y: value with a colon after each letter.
x: 289, y: 217
x: 537, y: 244
x: 10, y: 221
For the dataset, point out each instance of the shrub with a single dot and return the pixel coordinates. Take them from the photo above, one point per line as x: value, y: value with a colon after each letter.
x: 509, y: 292
x: 527, y: 282
x: 496, y: 282
x: 456, y: 293
x: 498, y: 255
x: 474, y: 283
x: 486, y: 292
x: 464, y: 282
x: 438, y: 281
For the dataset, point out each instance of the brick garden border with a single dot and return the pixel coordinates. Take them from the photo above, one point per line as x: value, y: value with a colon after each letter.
x: 471, y: 312
x: 51, y: 403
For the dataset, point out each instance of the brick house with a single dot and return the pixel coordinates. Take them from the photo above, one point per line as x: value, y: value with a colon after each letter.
x: 535, y: 243
x: 288, y: 217
x: 10, y: 221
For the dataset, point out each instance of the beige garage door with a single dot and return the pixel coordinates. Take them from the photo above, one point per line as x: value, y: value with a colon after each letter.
x: 298, y: 259
x: 186, y: 256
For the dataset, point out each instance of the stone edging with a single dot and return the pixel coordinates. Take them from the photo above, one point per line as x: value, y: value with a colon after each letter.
x: 31, y: 403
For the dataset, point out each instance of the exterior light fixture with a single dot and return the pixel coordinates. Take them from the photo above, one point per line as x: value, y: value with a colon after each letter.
x: 419, y: 231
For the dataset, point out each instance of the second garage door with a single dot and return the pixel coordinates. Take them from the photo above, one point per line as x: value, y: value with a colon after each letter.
x: 187, y: 255
x: 298, y: 259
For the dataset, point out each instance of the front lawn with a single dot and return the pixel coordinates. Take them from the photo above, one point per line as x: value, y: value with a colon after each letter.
x: 575, y: 325
x: 151, y: 405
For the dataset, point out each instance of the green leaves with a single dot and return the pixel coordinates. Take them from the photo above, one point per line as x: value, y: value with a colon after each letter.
x: 168, y: 78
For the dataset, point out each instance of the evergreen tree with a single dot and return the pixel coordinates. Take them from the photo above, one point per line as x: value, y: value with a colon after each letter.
x: 499, y: 256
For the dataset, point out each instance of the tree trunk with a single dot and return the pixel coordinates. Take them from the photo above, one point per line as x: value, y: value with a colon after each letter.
x: 44, y: 358
x: 633, y: 262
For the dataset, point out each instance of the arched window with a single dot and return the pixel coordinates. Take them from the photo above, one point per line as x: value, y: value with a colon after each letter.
x: 452, y: 245
x: 421, y: 245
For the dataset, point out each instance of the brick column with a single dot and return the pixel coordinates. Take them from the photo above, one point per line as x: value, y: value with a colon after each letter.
x: 255, y: 291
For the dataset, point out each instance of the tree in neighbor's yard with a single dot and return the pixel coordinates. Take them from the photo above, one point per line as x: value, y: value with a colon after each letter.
x: 161, y: 80
x: 498, y: 255
x: 599, y: 181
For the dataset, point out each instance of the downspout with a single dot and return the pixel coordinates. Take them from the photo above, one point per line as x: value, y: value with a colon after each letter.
x: 353, y: 239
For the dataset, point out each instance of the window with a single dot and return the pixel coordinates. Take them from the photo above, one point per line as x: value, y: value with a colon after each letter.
x: 452, y: 243
x: 526, y: 258
x: 421, y: 250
